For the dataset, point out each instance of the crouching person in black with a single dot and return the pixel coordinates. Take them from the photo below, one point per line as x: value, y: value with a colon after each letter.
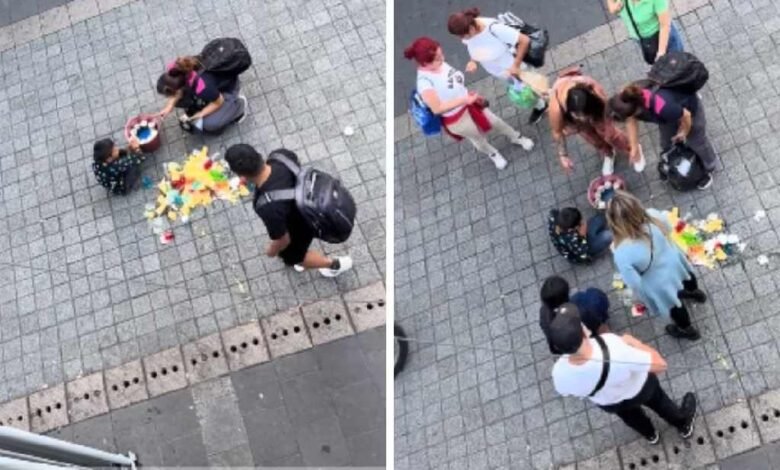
x: 617, y: 373
x: 117, y: 170
x: 291, y: 236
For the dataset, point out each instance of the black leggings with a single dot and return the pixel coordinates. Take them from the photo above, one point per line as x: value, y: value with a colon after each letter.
x: 680, y: 315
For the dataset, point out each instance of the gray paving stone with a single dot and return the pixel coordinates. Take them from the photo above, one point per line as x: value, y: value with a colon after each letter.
x: 48, y: 409
x: 733, y: 430
x: 766, y: 411
x: 366, y: 306
x: 16, y: 414
x: 86, y: 397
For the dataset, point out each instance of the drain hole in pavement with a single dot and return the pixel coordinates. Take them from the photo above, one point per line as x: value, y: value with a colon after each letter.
x: 370, y: 306
x: 135, y: 381
x: 676, y: 450
x: 655, y: 458
x: 39, y: 412
x: 57, y: 405
x: 194, y: 361
x: 233, y: 349
x: 154, y: 374
x: 381, y: 303
x: 315, y: 325
x: 297, y: 329
x: 164, y: 371
x: 764, y: 417
x: 48, y: 409
x: 256, y: 341
x: 631, y: 466
x: 116, y: 389
x: 719, y: 433
x: 338, y: 317
x: 732, y: 429
x: 643, y: 462
x: 20, y: 418
x: 86, y: 396
x: 126, y: 383
x: 273, y: 336
x: 285, y: 332
x: 700, y: 441
x: 326, y: 321
x: 777, y: 413
x: 744, y: 424
x: 215, y: 354
x: 244, y: 345
x: 175, y: 368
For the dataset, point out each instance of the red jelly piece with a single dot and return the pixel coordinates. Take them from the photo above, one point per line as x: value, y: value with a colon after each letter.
x: 208, y: 164
x: 680, y: 226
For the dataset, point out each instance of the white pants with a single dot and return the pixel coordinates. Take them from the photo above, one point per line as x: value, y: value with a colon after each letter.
x: 466, y: 128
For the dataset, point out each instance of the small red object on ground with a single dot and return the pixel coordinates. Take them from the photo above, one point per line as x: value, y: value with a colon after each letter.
x: 166, y: 237
x: 208, y: 164
x: 638, y: 310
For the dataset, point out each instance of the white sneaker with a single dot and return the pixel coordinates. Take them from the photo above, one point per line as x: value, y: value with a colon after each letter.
x: 524, y: 142
x: 609, y: 166
x: 246, y: 108
x: 498, y: 160
x: 639, y: 166
x: 345, y: 264
x: 298, y: 268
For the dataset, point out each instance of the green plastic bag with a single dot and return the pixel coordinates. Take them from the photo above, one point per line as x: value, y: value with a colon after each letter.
x: 524, y: 98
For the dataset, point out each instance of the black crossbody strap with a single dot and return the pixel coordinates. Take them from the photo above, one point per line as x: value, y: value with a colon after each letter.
x: 642, y: 273
x: 605, y: 365
x: 631, y: 17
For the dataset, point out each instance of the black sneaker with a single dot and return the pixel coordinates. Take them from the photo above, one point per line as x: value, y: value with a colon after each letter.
x: 654, y: 439
x: 697, y: 295
x: 706, y: 182
x: 689, y: 405
x: 689, y: 333
x: 536, y: 114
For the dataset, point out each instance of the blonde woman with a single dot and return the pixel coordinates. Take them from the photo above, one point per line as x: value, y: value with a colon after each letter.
x: 650, y: 264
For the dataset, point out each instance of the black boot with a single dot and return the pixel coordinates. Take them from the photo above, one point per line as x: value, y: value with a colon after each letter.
x: 689, y: 333
x: 697, y: 295
x: 689, y: 408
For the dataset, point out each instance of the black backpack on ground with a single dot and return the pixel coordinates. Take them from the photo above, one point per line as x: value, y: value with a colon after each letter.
x: 681, y: 167
x: 680, y: 71
x: 324, y: 203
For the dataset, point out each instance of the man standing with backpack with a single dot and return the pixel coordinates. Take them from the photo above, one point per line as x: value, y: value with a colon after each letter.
x: 282, y: 189
x: 669, y: 98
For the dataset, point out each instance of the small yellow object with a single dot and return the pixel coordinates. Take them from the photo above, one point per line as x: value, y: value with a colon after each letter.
x: 618, y: 284
x: 172, y: 215
x: 713, y: 225
x: 243, y: 191
x: 720, y: 255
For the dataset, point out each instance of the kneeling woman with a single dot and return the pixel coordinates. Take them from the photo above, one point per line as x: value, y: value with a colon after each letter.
x: 463, y: 113
x: 211, y: 103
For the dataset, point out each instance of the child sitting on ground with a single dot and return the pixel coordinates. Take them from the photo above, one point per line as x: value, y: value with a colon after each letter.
x: 575, y: 239
x: 117, y: 170
x: 593, y: 306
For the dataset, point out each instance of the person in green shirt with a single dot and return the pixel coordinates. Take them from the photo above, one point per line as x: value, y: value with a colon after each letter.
x: 650, y: 23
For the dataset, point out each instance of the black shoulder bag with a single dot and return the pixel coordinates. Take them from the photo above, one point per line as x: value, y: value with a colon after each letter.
x: 605, y: 367
x: 649, y: 45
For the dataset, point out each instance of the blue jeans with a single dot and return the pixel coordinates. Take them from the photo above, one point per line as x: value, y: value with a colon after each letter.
x: 599, y: 236
x: 675, y: 40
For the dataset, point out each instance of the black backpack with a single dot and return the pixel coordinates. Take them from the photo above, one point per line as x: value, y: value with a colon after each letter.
x: 225, y: 59
x: 324, y: 203
x: 540, y: 38
x: 681, y: 167
x: 680, y: 71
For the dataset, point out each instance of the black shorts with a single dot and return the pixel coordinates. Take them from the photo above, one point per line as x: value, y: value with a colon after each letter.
x: 300, y: 241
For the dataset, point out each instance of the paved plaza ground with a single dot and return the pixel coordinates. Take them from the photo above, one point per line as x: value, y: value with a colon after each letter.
x: 85, y: 286
x: 471, y: 251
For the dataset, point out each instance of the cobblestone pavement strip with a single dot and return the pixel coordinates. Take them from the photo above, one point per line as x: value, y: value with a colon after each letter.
x: 84, y: 284
x: 471, y: 251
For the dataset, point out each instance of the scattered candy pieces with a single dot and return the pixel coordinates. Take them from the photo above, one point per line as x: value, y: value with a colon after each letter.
x: 166, y: 237
x: 195, y: 183
x: 349, y: 131
x: 703, y: 241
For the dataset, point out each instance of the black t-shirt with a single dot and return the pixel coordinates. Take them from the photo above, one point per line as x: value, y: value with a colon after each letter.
x: 546, y: 316
x: 200, y: 90
x: 281, y: 217
x: 666, y: 106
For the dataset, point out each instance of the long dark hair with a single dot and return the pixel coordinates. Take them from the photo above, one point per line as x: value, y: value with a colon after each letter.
x: 582, y: 99
x: 461, y: 22
x: 627, y: 103
x: 175, y: 78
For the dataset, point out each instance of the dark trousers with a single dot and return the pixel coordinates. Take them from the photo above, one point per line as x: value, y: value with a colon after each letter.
x: 599, y: 236
x: 697, y: 139
x: 653, y: 397
x: 680, y: 315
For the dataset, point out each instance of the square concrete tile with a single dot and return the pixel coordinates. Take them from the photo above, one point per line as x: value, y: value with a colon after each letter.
x: 16, y: 414
x: 694, y: 452
x: 766, y: 409
x: 322, y: 443
x: 733, y: 430
x: 245, y: 346
x: 286, y: 333
x: 639, y: 454
x: 327, y: 320
x: 205, y: 359
x: 86, y: 397
x: 126, y: 385
x: 366, y: 306
x: 48, y: 409
x: 606, y: 461
x: 165, y: 372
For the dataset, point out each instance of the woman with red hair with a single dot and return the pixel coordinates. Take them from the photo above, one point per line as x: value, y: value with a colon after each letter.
x: 464, y: 114
x: 498, y: 48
